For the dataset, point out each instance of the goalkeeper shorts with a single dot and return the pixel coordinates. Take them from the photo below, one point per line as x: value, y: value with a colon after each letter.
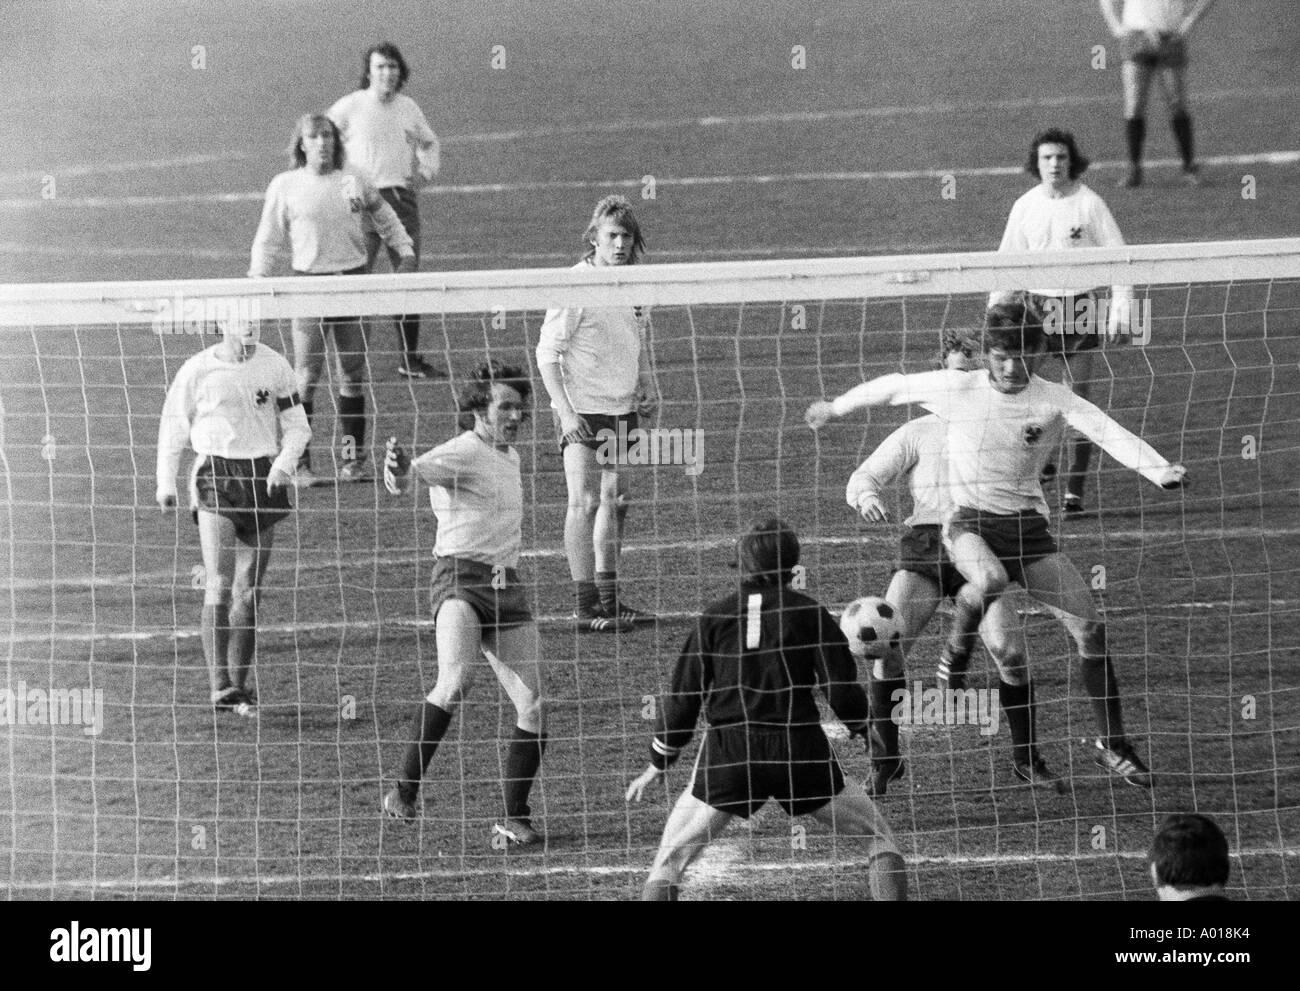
x: 236, y: 489
x: 495, y: 593
x: 740, y: 767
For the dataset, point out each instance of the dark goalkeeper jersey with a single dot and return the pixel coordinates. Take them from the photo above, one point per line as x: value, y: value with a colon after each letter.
x: 753, y: 660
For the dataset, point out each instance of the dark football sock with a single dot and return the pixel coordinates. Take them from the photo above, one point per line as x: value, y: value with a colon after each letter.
x: 408, y: 333
x: 1080, y: 457
x: 607, y: 587
x: 1135, y: 132
x: 243, y: 643
x: 659, y: 891
x: 523, y: 758
x: 1018, y: 703
x: 884, y: 731
x: 887, y: 878
x: 214, y: 632
x: 1103, y: 687
x: 1182, y: 124
x: 352, y: 421
x: 305, y: 460
x: 587, y: 595
x: 431, y: 724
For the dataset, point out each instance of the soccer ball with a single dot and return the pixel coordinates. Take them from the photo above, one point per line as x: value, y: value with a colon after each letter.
x: 872, y: 626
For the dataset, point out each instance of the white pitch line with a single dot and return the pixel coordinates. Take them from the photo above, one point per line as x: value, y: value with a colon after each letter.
x: 594, y: 870
x: 475, y: 189
x: 662, y: 124
x: 290, y: 565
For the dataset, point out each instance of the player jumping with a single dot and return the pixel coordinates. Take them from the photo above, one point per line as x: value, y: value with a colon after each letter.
x: 1002, y: 424
x: 477, y: 598
x: 751, y: 665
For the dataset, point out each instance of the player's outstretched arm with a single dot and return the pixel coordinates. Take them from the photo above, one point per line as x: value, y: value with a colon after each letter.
x: 397, y: 468
x: 1124, y: 446
x: 887, y: 390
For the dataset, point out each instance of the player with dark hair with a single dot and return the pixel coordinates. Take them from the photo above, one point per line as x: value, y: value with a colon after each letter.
x: 1153, y: 34
x: 750, y: 665
x: 1189, y: 860
x: 389, y: 142
x: 236, y: 403
x: 316, y: 209
x: 918, y: 452
x: 478, y: 601
x: 595, y: 364
x: 1003, y: 422
x: 1062, y: 213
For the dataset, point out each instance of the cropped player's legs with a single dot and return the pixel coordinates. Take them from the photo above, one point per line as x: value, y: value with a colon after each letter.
x: 692, y: 825
x: 1004, y: 638
x: 986, y: 579
x: 217, y: 540
x: 350, y: 343
x: 308, y: 364
x: 515, y: 656
x: 459, y: 640
x: 590, y: 527
x: 1137, y: 87
x: 853, y: 813
x: 251, y: 557
x: 1079, y: 377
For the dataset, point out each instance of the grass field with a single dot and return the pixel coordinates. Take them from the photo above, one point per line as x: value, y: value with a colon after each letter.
x: 159, y: 170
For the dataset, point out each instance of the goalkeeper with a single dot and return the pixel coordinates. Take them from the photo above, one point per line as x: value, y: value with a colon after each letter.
x: 228, y: 402
x: 751, y: 664
x: 477, y: 598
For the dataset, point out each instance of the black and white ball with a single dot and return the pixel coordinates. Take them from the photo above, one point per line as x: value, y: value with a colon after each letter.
x: 872, y: 626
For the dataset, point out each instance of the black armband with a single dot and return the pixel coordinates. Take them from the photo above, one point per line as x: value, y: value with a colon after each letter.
x: 283, y: 403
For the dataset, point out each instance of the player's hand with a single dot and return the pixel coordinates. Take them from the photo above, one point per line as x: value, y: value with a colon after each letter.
x: 819, y: 414
x: 575, y: 428
x: 646, y: 778
x: 1175, y: 477
x: 405, y: 264
x: 872, y: 509
x: 396, y: 467
x: 166, y: 501
x: 277, y: 479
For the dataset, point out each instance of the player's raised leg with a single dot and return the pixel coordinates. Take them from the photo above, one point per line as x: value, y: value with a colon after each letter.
x: 217, y: 541
x: 692, y: 825
x: 1056, y: 582
x: 853, y: 813
x: 515, y: 657
x: 986, y: 579
x: 459, y: 640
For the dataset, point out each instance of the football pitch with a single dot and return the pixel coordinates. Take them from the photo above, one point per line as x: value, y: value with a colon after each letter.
x: 159, y: 167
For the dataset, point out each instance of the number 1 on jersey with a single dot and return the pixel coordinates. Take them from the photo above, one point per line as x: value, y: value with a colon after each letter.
x: 753, y: 621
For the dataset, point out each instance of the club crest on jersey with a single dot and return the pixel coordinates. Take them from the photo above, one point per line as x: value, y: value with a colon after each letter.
x: 1031, y: 433
x: 1076, y: 233
x: 262, y: 396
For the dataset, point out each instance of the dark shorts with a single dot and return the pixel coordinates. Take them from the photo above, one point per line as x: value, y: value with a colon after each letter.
x: 236, y: 489
x: 1017, y: 540
x: 1072, y: 324
x: 406, y: 204
x: 921, y: 551
x: 1170, y: 53
x: 495, y: 594
x: 598, y: 422
x: 740, y: 768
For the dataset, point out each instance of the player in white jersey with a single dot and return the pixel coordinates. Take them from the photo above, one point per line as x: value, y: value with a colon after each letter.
x: 918, y: 453
x: 478, y: 600
x: 1153, y: 36
x: 237, y: 405
x: 1062, y: 213
x: 389, y: 141
x: 595, y: 364
x: 1002, y: 424
x: 317, y: 208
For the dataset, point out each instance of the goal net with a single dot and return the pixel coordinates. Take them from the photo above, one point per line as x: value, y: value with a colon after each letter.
x: 121, y: 781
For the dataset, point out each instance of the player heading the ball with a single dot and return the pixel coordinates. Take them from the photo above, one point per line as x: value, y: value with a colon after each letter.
x: 477, y: 600
x: 1002, y: 424
x: 750, y: 665
x: 237, y: 405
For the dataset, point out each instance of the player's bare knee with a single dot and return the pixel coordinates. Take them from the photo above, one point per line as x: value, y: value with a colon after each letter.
x: 243, y: 597
x: 1092, y: 639
x: 584, y: 502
